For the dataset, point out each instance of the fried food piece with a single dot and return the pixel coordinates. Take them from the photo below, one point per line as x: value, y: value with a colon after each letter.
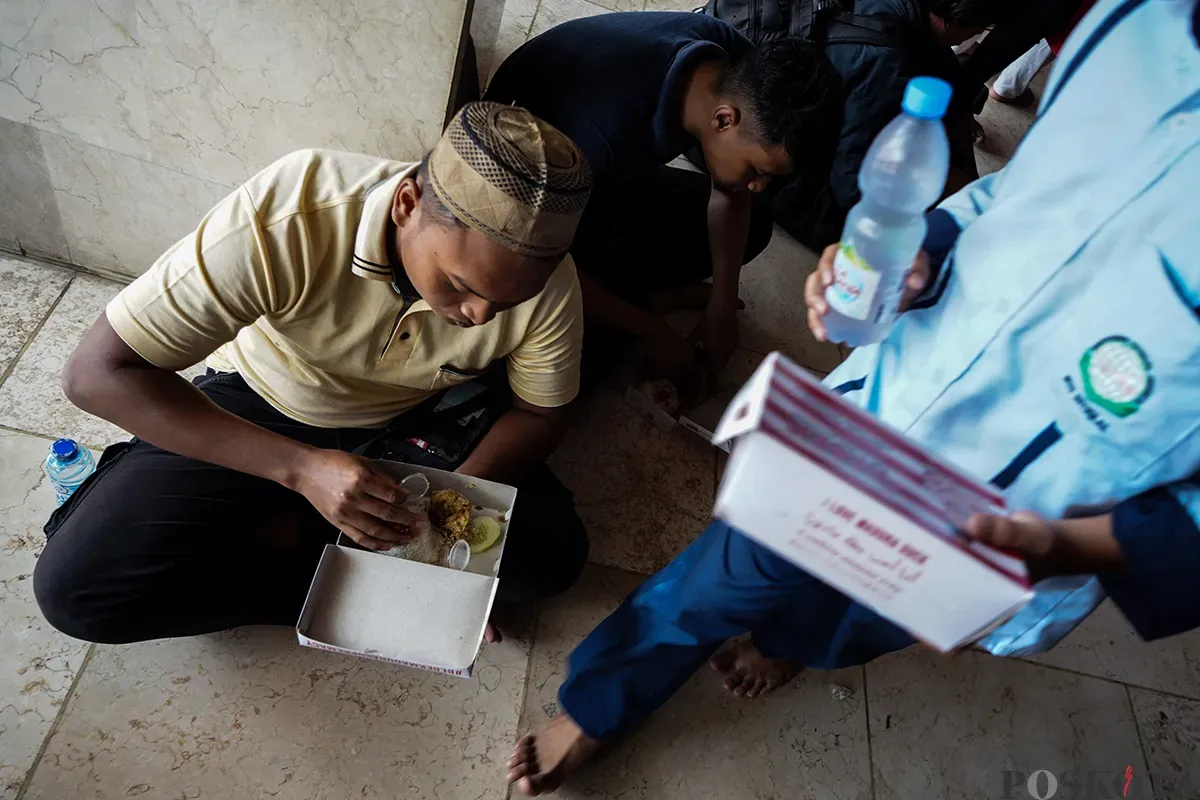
x: 450, y: 513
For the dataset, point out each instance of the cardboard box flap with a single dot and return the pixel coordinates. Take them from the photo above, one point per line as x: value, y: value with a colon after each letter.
x: 746, y: 408
x: 638, y: 400
x: 403, y: 612
x: 704, y: 418
x: 360, y: 596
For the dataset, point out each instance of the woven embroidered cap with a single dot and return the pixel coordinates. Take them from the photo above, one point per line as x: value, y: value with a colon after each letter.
x: 512, y: 177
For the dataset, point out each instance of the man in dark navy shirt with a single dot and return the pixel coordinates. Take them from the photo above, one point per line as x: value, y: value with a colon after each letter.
x: 636, y: 90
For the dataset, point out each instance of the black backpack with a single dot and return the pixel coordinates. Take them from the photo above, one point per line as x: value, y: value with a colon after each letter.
x: 822, y: 21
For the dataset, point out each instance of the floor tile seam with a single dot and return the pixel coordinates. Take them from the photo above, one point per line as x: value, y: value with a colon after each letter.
x: 1108, y: 679
x: 8, y: 371
x: 54, y: 726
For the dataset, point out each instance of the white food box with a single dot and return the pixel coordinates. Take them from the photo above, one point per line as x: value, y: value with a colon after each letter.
x: 869, y: 512
x: 367, y: 604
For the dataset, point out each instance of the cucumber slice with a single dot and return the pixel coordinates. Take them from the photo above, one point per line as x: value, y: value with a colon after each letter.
x: 483, y: 534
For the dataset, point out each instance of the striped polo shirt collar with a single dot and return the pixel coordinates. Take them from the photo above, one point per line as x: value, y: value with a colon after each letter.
x: 370, y: 259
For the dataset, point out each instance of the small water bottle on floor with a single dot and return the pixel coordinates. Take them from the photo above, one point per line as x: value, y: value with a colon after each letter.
x: 67, y: 466
x: 902, y: 175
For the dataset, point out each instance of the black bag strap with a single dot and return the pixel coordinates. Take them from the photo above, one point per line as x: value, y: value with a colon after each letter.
x: 843, y: 28
x: 803, y: 17
x: 822, y: 21
x: 825, y: 22
x: 426, y: 417
x: 807, y: 17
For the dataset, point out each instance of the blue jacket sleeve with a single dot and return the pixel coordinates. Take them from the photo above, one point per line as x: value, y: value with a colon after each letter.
x: 944, y: 224
x: 1157, y: 531
x: 941, y: 233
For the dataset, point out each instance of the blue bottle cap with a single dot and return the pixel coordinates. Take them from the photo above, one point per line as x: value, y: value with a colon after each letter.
x: 926, y: 97
x: 64, y: 449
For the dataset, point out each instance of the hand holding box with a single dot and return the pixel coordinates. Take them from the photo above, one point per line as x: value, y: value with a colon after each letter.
x: 864, y: 509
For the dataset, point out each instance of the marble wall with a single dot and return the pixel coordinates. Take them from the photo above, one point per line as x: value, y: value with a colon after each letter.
x: 501, y: 26
x: 123, y: 121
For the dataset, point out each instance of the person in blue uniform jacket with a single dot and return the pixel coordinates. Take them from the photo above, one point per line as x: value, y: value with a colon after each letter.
x: 1051, y: 341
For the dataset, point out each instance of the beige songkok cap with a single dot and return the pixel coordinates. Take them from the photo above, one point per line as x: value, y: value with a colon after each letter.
x: 512, y: 177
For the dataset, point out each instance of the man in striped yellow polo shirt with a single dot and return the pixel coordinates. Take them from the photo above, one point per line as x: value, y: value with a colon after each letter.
x: 334, y: 297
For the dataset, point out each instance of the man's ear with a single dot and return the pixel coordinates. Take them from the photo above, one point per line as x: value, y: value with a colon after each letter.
x: 938, y: 26
x: 725, y: 117
x: 405, y: 202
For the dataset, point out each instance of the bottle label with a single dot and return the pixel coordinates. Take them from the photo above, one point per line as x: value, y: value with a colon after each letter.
x: 854, y: 284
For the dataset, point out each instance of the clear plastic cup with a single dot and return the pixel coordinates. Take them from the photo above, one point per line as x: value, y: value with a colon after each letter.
x: 417, y: 485
x: 458, y: 556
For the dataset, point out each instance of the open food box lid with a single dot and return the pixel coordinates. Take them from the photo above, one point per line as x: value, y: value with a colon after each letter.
x: 701, y: 419
x: 864, y: 508
x: 404, y: 612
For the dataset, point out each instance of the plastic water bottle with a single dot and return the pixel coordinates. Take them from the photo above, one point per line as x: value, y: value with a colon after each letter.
x: 67, y: 466
x: 902, y: 175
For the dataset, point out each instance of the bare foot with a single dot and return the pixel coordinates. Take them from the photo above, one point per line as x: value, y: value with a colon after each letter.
x: 542, y: 761
x: 748, y: 673
x: 492, y: 634
x: 1025, y: 99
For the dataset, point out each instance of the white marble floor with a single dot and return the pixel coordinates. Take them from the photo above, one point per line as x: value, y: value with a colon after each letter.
x: 249, y: 714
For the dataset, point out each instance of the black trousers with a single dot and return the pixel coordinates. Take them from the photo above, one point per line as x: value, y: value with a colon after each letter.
x: 636, y: 239
x: 155, y: 544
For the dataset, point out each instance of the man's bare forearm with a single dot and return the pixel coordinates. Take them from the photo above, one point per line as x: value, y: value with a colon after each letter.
x: 1076, y: 546
x: 728, y: 233
x: 1085, y: 546
x: 518, y: 441
x: 106, y: 378
x: 602, y: 307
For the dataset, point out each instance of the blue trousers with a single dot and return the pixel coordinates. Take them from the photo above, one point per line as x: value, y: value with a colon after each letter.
x: 722, y: 586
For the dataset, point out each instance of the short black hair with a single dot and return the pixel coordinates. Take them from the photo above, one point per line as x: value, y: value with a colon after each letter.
x: 792, y: 94
x: 972, y: 13
x: 432, y: 207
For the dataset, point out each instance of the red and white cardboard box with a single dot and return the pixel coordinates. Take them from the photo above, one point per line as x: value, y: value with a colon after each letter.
x: 869, y: 512
x: 407, y: 613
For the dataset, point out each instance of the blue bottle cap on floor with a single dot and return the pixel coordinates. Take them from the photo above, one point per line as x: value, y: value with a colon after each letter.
x: 64, y: 449
x: 926, y: 97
